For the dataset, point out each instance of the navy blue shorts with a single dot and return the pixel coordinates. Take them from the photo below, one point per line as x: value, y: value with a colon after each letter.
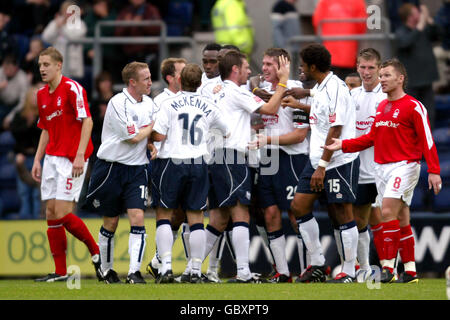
x: 178, y: 183
x: 367, y: 194
x: 340, y: 183
x: 279, y: 188
x: 115, y: 187
x: 230, y: 180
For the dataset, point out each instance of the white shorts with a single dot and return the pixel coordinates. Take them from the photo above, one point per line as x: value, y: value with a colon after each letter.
x: 396, y: 180
x: 57, y: 182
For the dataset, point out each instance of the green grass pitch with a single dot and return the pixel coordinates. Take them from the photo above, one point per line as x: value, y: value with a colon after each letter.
x: 91, y: 289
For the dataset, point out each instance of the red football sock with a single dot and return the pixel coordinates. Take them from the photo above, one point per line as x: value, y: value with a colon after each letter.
x: 391, y: 239
x: 78, y: 229
x: 407, y: 245
x: 377, y: 232
x: 58, y: 244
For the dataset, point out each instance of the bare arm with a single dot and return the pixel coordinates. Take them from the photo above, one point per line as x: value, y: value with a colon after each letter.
x: 143, y: 133
x: 78, y: 163
x: 36, y: 171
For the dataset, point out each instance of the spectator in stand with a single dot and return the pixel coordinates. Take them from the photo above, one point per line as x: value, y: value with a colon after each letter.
x: 26, y: 134
x: 442, y: 52
x: 102, y: 10
x: 392, y: 7
x: 285, y: 22
x: 59, y: 32
x: 140, y: 10
x: 30, y: 63
x: 415, y: 51
x: 31, y: 16
x: 6, y: 41
x: 343, y: 53
x: 13, y: 87
x: 104, y: 86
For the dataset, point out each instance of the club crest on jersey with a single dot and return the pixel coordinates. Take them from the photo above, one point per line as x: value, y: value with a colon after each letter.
x: 388, y: 107
x: 332, y: 117
x: 96, y: 203
x: 396, y: 112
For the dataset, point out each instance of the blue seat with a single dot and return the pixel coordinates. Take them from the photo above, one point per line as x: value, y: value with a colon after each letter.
x: 22, y: 45
x: 8, y: 175
x: 442, y: 139
x: 179, y: 18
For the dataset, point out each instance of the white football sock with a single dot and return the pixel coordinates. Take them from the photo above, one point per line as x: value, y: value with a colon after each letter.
x: 164, y: 242
x: 349, y: 238
x: 106, y: 246
x: 338, y: 240
x: 277, y: 243
x: 136, y: 248
x: 241, y: 244
x: 216, y: 254
x: 309, y: 229
x: 302, y: 254
x: 363, y: 249
x: 212, y: 235
x: 197, y: 245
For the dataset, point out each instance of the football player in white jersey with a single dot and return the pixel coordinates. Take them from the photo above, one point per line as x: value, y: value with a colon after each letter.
x: 170, y: 72
x: 285, y: 149
x: 334, y: 175
x: 181, y: 126
x: 367, y: 97
x: 119, y: 181
x: 229, y: 170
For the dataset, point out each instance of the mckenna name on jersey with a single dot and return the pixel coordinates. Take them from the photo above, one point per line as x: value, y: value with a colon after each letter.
x: 191, y: 101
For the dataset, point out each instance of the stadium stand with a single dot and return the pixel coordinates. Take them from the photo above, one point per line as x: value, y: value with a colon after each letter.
x: 9, y: 200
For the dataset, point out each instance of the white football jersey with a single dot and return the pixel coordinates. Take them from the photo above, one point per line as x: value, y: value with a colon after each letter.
x: 123, y: 118
x: 165, y: 94
x: 207, y: 87
x: 285, y: 121
x: 366, y: 106
x: 237, y: 105
x: 331, y: 106
x: 185, y: 120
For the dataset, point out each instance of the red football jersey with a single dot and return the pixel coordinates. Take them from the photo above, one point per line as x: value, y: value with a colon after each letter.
x: 401, y: 131
x: 61, y: 114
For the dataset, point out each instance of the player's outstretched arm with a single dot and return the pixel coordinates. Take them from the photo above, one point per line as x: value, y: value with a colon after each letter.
x: 336, y: 145
x: 291, y: 102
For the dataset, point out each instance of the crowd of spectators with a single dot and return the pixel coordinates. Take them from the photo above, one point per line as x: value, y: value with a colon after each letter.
x: 28, y: 26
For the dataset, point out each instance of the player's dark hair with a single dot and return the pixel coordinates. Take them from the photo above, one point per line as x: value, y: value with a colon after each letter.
x: 316, y: 54
x: 191, y: 77
x: 399, y: 67
x: 276, y: 53
x: 168, y: 67
x: 405, y: 11
x: 212, y: 47
x: 228, y: 60
x: 370, y: 54
x: 231, y: 47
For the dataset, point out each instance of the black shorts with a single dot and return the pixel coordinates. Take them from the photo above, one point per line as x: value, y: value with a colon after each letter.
x: 367, y: 194
x: 340, y: 183
x: 115, y: 187
x: 230, y: 180
x: 180, y: 183
x: 279, y: 188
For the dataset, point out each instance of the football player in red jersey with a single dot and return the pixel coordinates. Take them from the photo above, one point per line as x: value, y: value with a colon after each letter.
x: 401, y: 135
x: 65, y: 145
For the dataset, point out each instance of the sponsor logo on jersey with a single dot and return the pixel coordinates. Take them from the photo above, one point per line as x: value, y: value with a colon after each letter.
x: 387, y: 123
x: 57, y: 113
x: 365, y: 124
x: 270, y: 120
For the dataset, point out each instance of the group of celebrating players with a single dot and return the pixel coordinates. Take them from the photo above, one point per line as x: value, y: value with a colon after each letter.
x: 239, y: 148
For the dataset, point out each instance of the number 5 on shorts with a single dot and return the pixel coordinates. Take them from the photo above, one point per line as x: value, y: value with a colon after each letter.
x: 69, y: 184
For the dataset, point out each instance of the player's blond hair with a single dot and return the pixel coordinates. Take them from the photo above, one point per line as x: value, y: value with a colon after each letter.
x: 131, y: 71
x: 52, y: 53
